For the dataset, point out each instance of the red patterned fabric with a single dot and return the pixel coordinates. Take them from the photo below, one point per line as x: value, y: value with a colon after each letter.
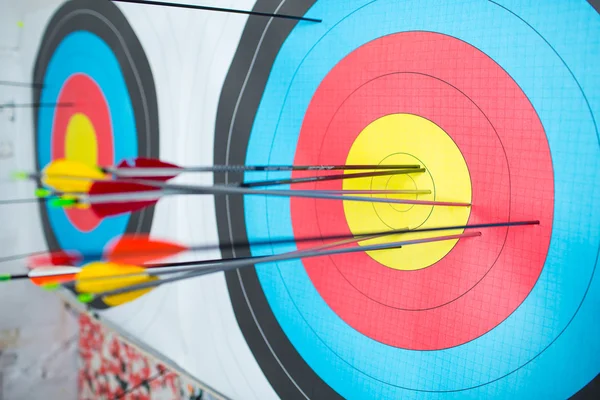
x: 112, y: 369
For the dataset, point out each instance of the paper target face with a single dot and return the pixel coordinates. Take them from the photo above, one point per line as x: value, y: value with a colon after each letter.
x: 91, y: 59
x: 507, y: 122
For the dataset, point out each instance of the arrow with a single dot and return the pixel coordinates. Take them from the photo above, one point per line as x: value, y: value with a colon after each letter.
x: 88, y: 296
x: 41, y: 194
x: 58, y: 199
x: 107, y: 276
x: 323, y: 178
x: 218, y: 9
x: 43, y: 258
x: 54, y: 258
x: 225, y: 190
x: 21, y: 84
x: 110, y: 198
x: 90, y: 279
x: 153, y: 169
x: 197, y: 268
x: 20, y: 201
x: 36, y: 105
x: 45, y: 275
x: 57, y: 171
x: 66, y: 176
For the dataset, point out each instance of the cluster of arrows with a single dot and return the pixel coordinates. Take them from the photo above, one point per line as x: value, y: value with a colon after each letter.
x: 129, y: 266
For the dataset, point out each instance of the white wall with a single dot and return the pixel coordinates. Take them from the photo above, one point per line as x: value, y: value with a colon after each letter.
x: 192, y: 322
x: 38, y: 338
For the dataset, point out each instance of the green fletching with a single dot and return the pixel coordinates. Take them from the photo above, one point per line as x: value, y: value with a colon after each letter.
x: 60, y: 202
x: 85, y: 297
x: 42, y: 193
x: 20, y: 175
x: 5, y: 277
x: 51, y: 287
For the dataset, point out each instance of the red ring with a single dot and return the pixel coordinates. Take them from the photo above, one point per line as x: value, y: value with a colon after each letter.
x: 432, y: 282
x: 88, y: 99
x: 434, y: 67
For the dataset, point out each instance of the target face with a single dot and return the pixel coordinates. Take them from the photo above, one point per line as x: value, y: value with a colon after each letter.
x: 91, y: 59
x: 503, y: 121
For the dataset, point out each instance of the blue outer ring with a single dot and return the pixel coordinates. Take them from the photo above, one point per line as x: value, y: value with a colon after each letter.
x: 86, y: 53
x: 548, y: 347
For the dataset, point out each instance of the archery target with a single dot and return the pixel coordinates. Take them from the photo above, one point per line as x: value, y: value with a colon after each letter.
x: 501, y: 109
x: 91, y: 60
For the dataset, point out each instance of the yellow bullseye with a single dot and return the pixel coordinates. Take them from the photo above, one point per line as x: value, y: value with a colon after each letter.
x: 409, y: 139
x: 401, y: 182
x: 81, y: 148
x: 81, y: 143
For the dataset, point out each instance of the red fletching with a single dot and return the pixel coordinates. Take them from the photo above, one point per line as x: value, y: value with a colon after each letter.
x: 140, y: 249
x: 56, y: 279
x: 141, y: 162
x: 53, y: 275
x: 55, y: 258
x: 103, y: 210
x: 113, y: 209
x: 116, y: 187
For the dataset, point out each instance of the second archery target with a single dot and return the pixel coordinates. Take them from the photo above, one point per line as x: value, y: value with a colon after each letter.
x: 505, y: 121
x: 91, y: 60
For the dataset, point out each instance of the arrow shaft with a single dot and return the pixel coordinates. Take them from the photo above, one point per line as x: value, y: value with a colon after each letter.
x: 229, y: 190
x: 313, y: 252
x: 140, y: 172
x: 21, y: 84
x: 161, y: 269
x: 273, y: 242
x: 20, y: 201
x: 359, y: 236
x: 40, y: 105
x: 11, y: 277
x: 324, y: 178
x: 281, y: 257
x: 219, y: 9
x: 155, y: 195
x: 265, y: 183
x: 20, y: 256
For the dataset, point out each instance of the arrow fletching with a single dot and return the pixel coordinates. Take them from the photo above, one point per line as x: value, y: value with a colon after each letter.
x: 109, y: 209
x: 70, y: 176
x: 140, y: 249
x: 54, y: 258
x: 89, y: 281
x: 44, y: 276
x: 144, y: 163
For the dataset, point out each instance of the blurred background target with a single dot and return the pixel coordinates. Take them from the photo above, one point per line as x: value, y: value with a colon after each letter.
x: 91, y: 60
